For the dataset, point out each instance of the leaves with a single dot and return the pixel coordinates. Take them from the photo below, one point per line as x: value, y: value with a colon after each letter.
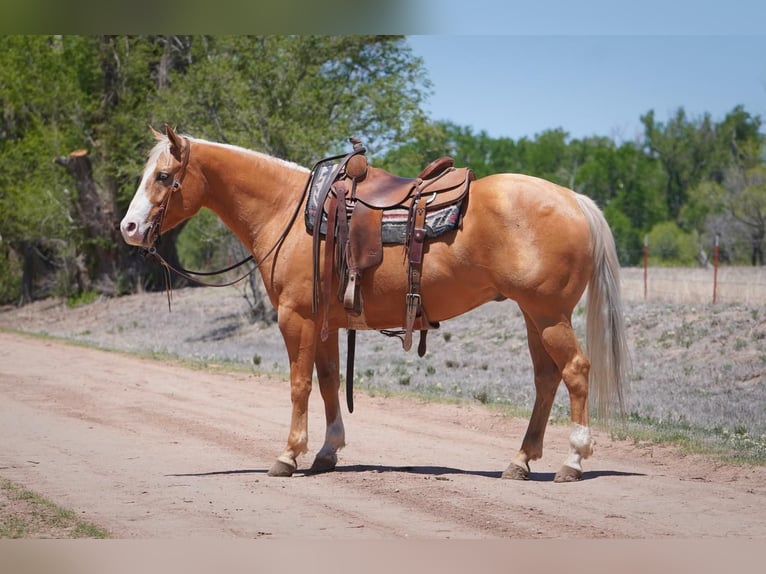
x: 296, y: 97
x: 300, y: 98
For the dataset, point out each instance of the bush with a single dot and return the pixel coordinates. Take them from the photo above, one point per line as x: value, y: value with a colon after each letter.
x: 10, y: 278
x: 670, y: 245
x: 626, y: 238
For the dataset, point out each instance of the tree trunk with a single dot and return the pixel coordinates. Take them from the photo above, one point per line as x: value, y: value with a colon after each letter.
x: 95, y: 216
x: 757, y: 252
x: 27, y: 272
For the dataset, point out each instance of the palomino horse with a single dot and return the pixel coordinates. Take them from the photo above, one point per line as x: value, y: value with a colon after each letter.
x: 521, y: 238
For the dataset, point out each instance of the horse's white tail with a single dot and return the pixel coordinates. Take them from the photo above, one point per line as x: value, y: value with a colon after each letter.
x: 606, y: 345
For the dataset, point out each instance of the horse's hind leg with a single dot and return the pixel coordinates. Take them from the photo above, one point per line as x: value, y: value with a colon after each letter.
x: 328, y: 373
x: 559, y: 343
x: 547, y: 378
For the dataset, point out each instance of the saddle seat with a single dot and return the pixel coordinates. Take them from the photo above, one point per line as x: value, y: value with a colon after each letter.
x: 367, y: 194
x: 382, y: 190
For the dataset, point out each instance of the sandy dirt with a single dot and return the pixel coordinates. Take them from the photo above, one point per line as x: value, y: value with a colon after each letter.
x: 151, y: 449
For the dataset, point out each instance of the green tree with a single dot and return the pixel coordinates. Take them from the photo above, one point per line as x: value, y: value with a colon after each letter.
x: 705, y: 214
x: 747, y: 204
x: 548, y: 156
x: 627, y: 238
x: 430, y: 141
x: 298, y: 97
x: 623, y: 177
x: 37, y: 226
x: 692, y: 151
x: 729, y: 204
x: 673, y: 145
x: 293, y: 97
x: 469, y: 149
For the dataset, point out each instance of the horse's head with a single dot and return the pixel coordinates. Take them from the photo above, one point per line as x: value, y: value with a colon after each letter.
x: 163, y: 199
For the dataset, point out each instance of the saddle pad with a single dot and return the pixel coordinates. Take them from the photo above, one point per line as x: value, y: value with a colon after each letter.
x: 394, y: 229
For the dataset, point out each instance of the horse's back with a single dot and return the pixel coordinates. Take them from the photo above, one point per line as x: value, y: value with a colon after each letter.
x: 531, y: 234
x: 521, y: 238
x: 519, y: 193
x: 529, y: 213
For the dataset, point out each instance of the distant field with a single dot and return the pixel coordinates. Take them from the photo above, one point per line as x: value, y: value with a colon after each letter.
x: 695, y: 285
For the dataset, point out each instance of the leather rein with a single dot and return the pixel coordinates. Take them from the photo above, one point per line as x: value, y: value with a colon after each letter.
x: 153, y: 254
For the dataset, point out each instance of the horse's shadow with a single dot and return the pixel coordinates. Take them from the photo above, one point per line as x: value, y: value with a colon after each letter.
x: 437, y: 471
x: 445, y: 470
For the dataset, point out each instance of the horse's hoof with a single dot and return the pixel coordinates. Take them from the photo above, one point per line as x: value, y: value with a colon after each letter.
x: 324, y: 464
x: 568, y: 474
x: 516, y: 472
x: 280, y: 468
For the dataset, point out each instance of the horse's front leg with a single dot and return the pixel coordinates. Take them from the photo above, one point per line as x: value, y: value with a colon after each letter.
x: 328, y: 373
x: 300, y: 339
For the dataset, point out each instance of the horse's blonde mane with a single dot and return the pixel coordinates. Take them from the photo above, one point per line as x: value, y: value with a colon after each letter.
x: 163, y: 142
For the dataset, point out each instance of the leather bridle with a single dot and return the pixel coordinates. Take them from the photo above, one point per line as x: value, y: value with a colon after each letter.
x: 175, y: 186
x: 152, y: 253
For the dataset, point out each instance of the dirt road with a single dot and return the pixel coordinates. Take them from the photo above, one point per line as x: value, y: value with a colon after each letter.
x: 156, y: 450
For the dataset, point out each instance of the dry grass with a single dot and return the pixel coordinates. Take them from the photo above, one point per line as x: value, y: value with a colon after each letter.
x: 695, y: 285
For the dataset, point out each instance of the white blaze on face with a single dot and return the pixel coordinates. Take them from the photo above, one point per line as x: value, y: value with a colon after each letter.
x: 135, y: 225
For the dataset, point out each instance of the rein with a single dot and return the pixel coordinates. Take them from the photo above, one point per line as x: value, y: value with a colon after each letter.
x: 153, y: 254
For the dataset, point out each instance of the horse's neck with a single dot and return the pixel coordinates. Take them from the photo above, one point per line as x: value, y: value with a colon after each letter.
x: 253, y: 194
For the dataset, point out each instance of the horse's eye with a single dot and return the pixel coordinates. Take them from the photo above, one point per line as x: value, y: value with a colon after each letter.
x: 162, y: 176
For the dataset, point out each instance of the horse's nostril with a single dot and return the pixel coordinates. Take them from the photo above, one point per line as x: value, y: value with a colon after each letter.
x: 130, y: 227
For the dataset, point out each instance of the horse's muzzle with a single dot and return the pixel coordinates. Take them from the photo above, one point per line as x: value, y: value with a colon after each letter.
x: 136, y: 233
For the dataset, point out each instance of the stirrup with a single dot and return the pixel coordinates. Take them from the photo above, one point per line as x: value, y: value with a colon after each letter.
x: 413, y: 306
x: 352, y: 298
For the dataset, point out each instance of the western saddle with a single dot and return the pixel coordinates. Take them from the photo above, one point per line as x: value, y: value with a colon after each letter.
x: 352, y: 204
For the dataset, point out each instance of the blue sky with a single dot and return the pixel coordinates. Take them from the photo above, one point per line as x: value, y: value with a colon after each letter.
x: 600, y: 80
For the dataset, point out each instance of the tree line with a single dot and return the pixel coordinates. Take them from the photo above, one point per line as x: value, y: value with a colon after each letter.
x: 683, y: 183
x: 74, y: 136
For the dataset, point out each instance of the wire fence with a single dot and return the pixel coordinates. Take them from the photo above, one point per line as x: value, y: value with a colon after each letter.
x: 694, y: 285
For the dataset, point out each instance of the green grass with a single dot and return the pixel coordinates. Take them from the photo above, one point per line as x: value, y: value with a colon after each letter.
x: 729, y: 445
x: 25, y: 514
x: 81, y: 299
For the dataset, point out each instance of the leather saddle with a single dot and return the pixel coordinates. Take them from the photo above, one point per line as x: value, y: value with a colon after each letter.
x: 354, y: 202
x: 351, y: 204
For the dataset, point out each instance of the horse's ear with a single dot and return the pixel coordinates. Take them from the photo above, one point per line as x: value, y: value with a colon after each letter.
x: 157, y: 135
x: 176, y: 145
